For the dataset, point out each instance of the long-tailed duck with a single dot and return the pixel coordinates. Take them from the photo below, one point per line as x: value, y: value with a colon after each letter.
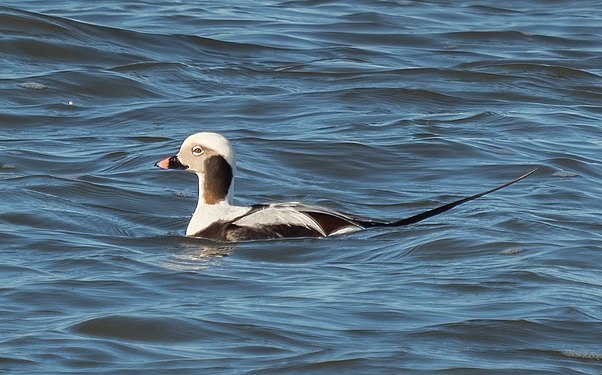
x: 211, y: 157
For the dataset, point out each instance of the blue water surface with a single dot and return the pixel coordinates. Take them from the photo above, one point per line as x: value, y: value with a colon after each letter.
x: 382, y: 109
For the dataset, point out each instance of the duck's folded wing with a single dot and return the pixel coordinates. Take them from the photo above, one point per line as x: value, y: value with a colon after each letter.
x: 319, y: 221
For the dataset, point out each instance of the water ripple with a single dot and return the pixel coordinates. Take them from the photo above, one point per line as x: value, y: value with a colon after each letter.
x: 381, y: 109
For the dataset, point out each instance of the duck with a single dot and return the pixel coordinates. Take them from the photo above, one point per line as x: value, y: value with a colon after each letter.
x: 212, y: 158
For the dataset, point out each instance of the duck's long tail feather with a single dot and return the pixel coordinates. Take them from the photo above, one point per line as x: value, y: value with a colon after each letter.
x: 441, y: 209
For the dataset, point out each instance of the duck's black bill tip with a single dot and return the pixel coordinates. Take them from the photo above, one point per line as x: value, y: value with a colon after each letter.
x: 170, y: 163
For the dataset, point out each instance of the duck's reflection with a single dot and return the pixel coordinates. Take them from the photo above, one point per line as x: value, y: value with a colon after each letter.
x: 194, y: 254
x: 211, y: 251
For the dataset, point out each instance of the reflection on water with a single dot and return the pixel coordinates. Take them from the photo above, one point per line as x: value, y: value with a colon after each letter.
x: 198, y: 254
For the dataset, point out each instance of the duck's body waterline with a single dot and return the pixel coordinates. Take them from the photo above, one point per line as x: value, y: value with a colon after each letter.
x: 211, y: 157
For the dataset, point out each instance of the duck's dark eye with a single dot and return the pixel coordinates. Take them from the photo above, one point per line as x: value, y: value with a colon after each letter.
x: 197, y: 150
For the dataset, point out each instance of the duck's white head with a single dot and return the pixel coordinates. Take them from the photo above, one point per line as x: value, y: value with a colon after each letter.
x: 211, y: 157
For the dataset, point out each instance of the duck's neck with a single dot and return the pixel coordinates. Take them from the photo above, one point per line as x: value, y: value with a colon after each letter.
x: 212, y: 207
x: 214, y: 192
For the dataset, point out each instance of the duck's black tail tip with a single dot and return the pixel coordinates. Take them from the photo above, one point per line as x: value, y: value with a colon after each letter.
x: 441, y: 209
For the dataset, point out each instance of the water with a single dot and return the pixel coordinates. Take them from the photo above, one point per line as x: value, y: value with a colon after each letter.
x: 378, y: 108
